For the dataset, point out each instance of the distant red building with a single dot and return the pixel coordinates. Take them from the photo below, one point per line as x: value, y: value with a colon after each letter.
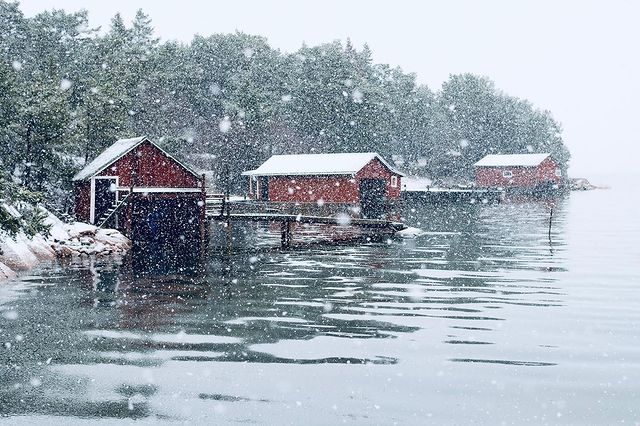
x: 527, y: 171
x: 136, y: 181
x: 350, y: 178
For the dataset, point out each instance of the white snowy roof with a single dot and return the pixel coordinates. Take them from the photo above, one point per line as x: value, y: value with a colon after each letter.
x: 515, y: 160
x: 317, y: 164
x: 114, y: 153
x: 108, y: 156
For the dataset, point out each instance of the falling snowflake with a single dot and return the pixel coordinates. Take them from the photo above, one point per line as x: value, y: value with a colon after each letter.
x: 214, y: 89
x: 225, y: 125
x: 10, y: 315
x: 343, y: 219
x: 248, y: 52
x: 286, y: 98
x: 357, y: 96
x: 65, y: 84
x: 17, y: 65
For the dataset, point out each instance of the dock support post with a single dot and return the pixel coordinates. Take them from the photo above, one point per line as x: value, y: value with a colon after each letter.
x: 202, y: 217
x: 285, y: 229
x: 229, y: 232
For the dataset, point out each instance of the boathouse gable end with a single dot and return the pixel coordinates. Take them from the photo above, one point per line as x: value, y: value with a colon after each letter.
x: 142, y: 158
x: 148, y: 166
x: 517, y: 171
x: 376, y: 169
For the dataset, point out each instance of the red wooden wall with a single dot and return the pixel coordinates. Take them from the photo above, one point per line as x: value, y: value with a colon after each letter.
x: 523, y: 177
x: 83, y: 200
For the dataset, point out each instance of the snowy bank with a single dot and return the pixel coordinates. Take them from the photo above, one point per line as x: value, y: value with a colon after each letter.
x: 410, y: 232
x: 65, y: 240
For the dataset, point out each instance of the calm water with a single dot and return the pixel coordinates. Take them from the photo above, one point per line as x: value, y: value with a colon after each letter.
x: 483, y: 320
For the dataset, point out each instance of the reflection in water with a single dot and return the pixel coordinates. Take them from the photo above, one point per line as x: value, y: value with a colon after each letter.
x: 267, y: 330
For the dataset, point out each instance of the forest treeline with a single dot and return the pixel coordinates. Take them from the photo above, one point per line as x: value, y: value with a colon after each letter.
x: 226, y: 102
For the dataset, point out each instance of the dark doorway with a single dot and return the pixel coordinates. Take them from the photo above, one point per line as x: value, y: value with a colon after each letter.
x: 264, y: 188
x: 372, y: 200
x: 165, y: 234
x: 105, y: 197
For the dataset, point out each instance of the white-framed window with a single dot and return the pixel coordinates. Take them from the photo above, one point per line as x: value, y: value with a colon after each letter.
x: 558, y: 172
x: 394, y: 181
x: 507, y: 174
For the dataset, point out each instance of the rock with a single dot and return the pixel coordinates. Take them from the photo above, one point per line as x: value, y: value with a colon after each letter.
x: 581, y: 184
x: 16, y: 253
x: 6, y: 273
x: 77, y: 239
x: 410, y: 232
x: 64, y: 251
x: 77, y: 229
x: 41, y: 248
x: 58, y: 228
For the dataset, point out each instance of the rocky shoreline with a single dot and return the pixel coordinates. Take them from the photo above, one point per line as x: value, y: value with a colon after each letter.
x: 64, y: 240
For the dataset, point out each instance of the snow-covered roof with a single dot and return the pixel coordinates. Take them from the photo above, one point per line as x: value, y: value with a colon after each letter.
x: 108, y: 156
x: 317, y: 164
x: 513, y: 160
x: 117, y: 151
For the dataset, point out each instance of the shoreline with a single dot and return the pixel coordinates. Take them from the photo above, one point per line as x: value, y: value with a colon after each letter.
x: 21, y: 253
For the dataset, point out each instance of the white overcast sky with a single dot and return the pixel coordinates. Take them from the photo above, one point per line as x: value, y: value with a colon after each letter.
x: 578, y: 59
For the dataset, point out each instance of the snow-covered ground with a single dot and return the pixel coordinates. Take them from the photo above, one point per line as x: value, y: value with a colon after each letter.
x: 23, y: 253
x: 416, y: 183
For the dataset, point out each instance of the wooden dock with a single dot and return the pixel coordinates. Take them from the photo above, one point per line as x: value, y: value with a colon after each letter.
x: 218, y: 210
x: 437, y: 194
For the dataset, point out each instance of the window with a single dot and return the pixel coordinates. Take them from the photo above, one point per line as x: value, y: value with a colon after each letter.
x: 507, y: 174
x: 394, y: 181
x: 558, y: 172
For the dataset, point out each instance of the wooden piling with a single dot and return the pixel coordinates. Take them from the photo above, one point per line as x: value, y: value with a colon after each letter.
x: 285, y: 237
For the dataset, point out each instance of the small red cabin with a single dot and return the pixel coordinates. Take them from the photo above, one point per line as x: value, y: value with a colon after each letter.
x: 349, y: 178
x: 526, y: 171
x: 139, y: 188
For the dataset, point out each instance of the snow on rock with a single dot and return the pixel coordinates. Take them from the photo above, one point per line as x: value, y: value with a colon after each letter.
x: 85, y: 239
x: 410, y: 232
x: 416, y: 183
x: 57, y: 231
x: 78, y: 229
x: 6, y: 273
x: 16, y: 253
x: 64, y: 240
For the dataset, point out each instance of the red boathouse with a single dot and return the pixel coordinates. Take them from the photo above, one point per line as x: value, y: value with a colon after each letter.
x: 348, y: 178
x: 139, y: 188
x: 524, y: 171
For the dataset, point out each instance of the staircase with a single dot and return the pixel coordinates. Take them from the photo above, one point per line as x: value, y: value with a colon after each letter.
x: 112, y: 211
x: 215, y: 205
